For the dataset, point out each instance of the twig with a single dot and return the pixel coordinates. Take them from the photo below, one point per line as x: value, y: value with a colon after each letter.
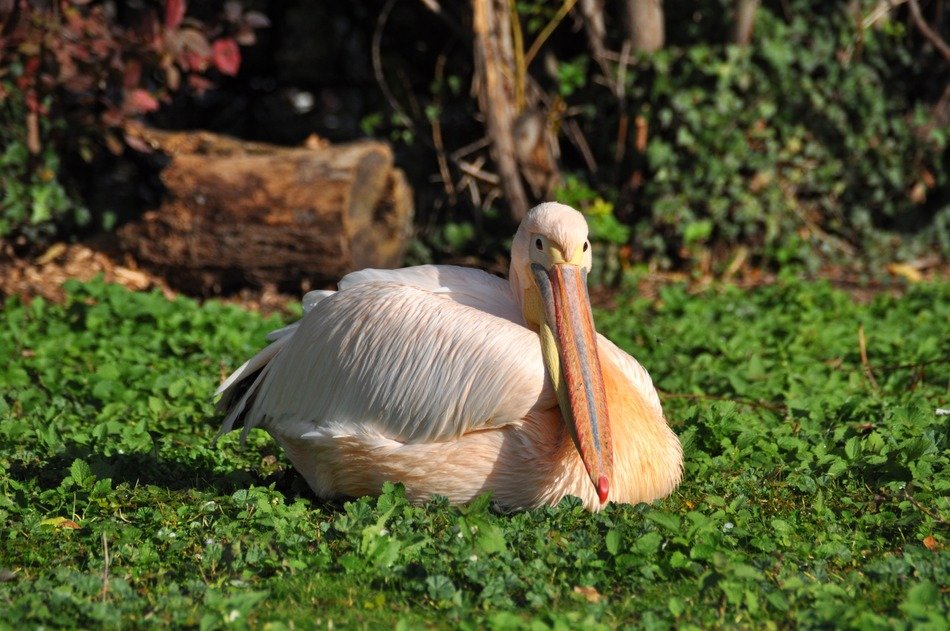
x: 922, y: 508
x: 493, y: 194
x: 378, y: 65
x: 862, y: 347
x: 408, y: 121
x: 744, y: 22
x: 621, y: 92
x: 473, y: 190
x: 415, y: 108
x: 493, y: 55
x: 593, y: 17
x: 471, y: 147
x: 437, y: 133
x: 547, y: 30
x: 105, y: 566
x: 914, y: 364
x: 475, y: 171
x: 573, y: 131
x: 932, y: 36
x: 433, y: 6
x: 880, y: 10
x: 517, y: 41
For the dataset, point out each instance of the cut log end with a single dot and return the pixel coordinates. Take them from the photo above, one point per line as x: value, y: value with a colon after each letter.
x: 240, y: 213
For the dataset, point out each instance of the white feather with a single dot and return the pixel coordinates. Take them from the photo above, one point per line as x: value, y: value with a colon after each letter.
x: 394, y: 377
x: 471, y: 365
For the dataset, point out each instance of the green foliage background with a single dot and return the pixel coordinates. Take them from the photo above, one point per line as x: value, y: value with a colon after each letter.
x: 806, y: 145
x: 812, y: 496
x: 815, y: 144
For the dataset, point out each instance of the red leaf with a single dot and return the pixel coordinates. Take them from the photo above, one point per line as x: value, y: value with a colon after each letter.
x: 199, y: 83
x: 31, y: 66
x: 174, y: 13
x: 226, y: 56
x: 132, y: 74
x: 140, y: 101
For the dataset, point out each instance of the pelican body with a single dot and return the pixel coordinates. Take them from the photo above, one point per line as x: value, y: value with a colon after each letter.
x: 456, y: 382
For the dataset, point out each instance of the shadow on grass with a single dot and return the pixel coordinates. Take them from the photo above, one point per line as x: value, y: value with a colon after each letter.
x: 171, y: 474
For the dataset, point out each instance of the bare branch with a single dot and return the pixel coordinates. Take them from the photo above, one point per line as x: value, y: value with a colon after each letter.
x: 932, y: 36
x: 593, y: 12
x: 745, y: 21
x: 547, y: 30
x: 378, y: 65
x: 437, y: 134
x: 433, y: 6
x: 493, y: 54
x: 645, y: 24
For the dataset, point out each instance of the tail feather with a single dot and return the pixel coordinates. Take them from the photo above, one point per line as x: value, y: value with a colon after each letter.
x: 238, y: 390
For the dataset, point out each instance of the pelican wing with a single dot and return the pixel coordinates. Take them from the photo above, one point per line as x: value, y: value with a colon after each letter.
x: 463, y: 285
x: 418, y: 355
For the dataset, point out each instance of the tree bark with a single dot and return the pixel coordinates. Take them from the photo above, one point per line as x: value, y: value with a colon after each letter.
x: 745, y: 21
x: 593, y: 12
x: 238, y: 212
x: 645, y: 28
x: 495, y: 62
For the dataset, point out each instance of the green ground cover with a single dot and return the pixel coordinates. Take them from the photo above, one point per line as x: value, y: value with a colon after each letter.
x: 815, y: 492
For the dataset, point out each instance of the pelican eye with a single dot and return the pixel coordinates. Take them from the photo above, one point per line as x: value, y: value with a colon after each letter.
x: 586, y: 245
x: 538, y: 244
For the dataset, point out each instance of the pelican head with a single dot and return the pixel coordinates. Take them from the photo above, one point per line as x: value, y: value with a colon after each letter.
x: 550, y: 259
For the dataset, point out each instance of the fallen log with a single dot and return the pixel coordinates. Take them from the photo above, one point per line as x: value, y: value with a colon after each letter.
x: 238, y: 213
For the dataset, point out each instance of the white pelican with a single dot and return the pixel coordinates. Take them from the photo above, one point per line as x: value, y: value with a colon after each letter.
x: 455, y: 382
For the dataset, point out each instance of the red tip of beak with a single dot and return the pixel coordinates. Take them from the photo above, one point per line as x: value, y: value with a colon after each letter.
x: 602, y: 488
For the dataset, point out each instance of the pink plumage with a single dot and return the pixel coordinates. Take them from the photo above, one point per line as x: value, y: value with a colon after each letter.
x: 440, y: 378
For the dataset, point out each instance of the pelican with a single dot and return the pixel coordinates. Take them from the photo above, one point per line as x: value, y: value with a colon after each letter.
x: 456, y: 382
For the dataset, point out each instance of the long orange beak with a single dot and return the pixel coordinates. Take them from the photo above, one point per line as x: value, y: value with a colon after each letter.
x: 569, y: 347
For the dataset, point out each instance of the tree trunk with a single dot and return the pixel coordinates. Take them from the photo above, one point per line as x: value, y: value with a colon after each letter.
x: 593, y: 12
x: 495, y: 63
x: 745, y: 21
x: 238, y: 212
x: 644, y: 21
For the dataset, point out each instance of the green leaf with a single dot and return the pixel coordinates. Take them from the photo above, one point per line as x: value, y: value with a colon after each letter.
x: 491, y: 539
x: 678, y: 559
x: 666, y: 520
x: 921, y: 599
x: 697, y: 231
x: 852, y: 448
x: 81, y: 474
x: 612, y: 542
x: 676, y: 606
x: 648, y: 543
x: 837, y: 467
x: 440, y: 587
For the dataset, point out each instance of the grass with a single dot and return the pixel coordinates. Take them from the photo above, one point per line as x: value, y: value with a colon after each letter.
x: 815, y: 492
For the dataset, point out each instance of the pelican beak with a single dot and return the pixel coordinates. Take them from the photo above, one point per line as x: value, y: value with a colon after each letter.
x: 569, y: 348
